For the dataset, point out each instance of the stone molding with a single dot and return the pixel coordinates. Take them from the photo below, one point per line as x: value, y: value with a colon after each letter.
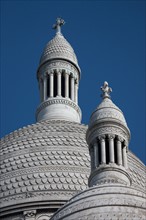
x: 50, y: 66
x: 64, y: 101
x: 109, y: 174
x: 100, y: 130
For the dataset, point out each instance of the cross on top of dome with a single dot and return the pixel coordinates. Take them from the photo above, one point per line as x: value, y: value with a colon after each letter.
x: 106, y: 90
x: 57, y: 26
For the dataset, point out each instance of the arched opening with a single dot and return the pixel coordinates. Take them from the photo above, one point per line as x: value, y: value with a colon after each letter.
x: 55, y: 84
x: 62, y: 85
x: 107, y: 150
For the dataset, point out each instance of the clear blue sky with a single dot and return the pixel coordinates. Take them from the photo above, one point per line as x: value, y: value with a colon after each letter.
x: 109, y: 40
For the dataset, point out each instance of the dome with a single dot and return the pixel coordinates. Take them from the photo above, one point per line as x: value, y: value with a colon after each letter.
x: 107, y: 119
x: 107, y: 110
x: 43, y: 163
x: 59, y: 48
x: 107, y: 201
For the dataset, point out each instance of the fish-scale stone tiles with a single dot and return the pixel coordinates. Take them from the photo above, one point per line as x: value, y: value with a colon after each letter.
x: 49, y: 158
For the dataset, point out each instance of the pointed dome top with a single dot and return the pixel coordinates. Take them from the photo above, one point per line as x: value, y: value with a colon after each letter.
x: 59, y: 47
x: 107, y: 110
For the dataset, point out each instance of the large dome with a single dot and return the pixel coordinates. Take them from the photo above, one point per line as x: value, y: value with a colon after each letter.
x: 59, y: 48
x: 107, y: 201
x: 43, y: 164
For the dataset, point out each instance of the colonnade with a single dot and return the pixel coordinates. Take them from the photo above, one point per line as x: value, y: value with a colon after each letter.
x: 59, y: 83
x: 109, y: 149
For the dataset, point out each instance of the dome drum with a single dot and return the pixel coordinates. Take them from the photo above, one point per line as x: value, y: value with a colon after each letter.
x: 109, y: 174
x: 53, y: 65
x: 59, y: 108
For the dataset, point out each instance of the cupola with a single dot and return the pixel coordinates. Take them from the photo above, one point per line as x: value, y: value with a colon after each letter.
x: 108, y: 137
x: 58, y: 76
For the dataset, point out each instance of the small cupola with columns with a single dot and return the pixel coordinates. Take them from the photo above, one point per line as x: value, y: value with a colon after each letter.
x: 108, y: 138
x: 58, y: 77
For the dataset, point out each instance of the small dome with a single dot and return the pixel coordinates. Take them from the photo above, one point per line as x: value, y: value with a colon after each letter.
x: 105, y: 202
x: 59, y: 48
x: 107, y: 110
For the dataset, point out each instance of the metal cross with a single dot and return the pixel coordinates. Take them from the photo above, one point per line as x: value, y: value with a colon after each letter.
x: 59, y: 23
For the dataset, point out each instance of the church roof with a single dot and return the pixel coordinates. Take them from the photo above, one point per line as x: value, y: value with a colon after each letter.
x: 108, y: 202
x: 108, y: 110
x: 46, y: 161
x: 59, y: 48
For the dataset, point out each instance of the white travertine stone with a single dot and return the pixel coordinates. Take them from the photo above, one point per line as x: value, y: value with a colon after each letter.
x: 96, y: 160
x: 106, y: 201
x: 45, y: 87
x: 103, y: 149
x: 66, y: 84
x: 119, y: 151
x: 72, y: 87
x: 125, y: 163
x: 76, y: 91
x: 59, y: 108
x: 59, y: 83
x: 51, y: 84
x: 111, y: 148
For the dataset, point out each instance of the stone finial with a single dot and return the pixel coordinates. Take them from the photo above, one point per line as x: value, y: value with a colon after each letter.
x: 59, y: 23
x: 106, y: 90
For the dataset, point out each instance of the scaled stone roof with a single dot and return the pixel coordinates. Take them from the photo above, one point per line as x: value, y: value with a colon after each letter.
x: 107, y: 110
x: 46, y: 161
x: 60, y: 48
x: 50, y: 161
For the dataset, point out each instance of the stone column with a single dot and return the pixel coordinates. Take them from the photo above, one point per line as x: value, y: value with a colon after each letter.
x: 76, y: 91
x: 45, y: 87
x: 125, y: 162
x: 59, y: 83
x: 51, y: 85
x: 72, y: 88
x: 66, y: 85
x: 119, y: 151
x: 96, y: 157
x: 103, y: 150
x: 111, y: 148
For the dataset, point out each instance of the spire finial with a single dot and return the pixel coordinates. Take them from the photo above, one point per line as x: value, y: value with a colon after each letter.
x: 57, y: 26
x: 106, y: 90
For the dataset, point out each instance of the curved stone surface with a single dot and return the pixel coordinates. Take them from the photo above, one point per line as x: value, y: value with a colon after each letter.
x: 105, y: 202
x: 60, y: 48
x: 108, y: 110
x: 47, y: 162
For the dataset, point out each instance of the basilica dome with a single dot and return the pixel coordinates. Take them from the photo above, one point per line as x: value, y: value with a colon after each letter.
x: 43, y: 165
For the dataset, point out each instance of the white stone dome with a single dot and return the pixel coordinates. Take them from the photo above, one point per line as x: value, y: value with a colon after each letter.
x: 107, y: 110
x: 107, y: 201
x: 59, y: 48
x: 46, y: 162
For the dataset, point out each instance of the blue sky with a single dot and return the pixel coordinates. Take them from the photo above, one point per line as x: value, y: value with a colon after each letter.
x: 109, y: 40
